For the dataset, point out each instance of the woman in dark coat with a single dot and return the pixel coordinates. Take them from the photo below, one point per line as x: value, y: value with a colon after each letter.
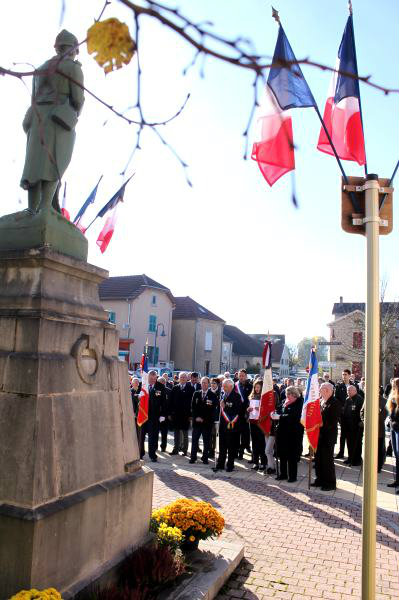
x: 393, y: 412
x: 289, y: 433
x: 331, y: 410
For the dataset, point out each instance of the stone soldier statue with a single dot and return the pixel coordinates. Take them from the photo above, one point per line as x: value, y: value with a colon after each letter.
x: 50, y: 122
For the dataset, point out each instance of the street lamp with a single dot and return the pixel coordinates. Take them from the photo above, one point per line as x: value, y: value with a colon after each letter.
x: 163, y: 334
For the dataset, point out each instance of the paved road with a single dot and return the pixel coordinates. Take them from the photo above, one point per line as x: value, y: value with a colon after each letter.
x: 298, y: 544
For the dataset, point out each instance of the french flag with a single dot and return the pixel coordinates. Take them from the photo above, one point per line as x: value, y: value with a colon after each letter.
x: 107, y: 231
x: 286, y: 88
x: 311, y: 415
x: 267, y: 402
x: 342, y: 113
x: 142, y: 415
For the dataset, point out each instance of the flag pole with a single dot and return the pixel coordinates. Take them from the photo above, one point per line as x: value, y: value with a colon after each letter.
x: 360, y: 101
x: 369, y: 512
x: 353, y: 198
x: 123, y: 186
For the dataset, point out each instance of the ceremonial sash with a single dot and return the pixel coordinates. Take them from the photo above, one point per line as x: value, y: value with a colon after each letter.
x: 230, y: 423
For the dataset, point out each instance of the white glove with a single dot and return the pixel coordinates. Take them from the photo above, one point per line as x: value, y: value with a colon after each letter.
x: 275, y: 416
x: 161, y: 419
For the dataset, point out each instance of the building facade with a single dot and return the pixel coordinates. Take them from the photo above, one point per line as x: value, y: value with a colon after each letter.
x: 246, y: 351
x: 197, y: 336
x: 141, y: 309
x: 280, y: 354
x: 348, y: 335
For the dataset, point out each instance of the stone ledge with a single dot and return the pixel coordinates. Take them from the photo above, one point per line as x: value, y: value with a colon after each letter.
x: 212, y: 565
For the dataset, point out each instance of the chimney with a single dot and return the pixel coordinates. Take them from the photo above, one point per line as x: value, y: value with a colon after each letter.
x: 341, y: 299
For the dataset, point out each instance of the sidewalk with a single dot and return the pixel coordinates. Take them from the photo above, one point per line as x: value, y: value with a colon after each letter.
x: 298, y: 543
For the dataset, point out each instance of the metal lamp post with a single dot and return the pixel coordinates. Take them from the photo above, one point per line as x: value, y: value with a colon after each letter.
x: 163, y: 334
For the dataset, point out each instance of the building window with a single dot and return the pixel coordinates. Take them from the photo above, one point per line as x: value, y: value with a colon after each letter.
x: 357, y: 370
x: 357, y: 340
x: 154, y: 300
x: 150, y: 355
x: 111, y: 316
x: 152, y: 323
x: 208, y: 339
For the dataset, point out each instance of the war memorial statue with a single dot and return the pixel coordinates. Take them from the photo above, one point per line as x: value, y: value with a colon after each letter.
x: 50, y: 122
x: 57, y: 100
x: 74, y: 496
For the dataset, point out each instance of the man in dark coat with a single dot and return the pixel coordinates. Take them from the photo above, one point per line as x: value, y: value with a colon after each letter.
x: 180, y: 413
x: 244, y: 388
x: 324, y: 458
x: 194, y: 380
x: 164, y: 425
x: 353, y: 426
x: 341, y: 393
x: 203, y: 409
x: 229, y: 434
x: 156, y: 415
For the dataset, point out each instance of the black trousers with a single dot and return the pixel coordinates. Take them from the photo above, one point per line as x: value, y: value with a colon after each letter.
x: 324, y: 463
x: 163, y: 427
x: 381, y: 453
x: 343, y: 436
x: 205, y: 431
x: 258, y: 444
x: 245, y: 436
x: 152, y: 429
x: 354, y: 438
x: 288, y: 462
x: 228, y: 444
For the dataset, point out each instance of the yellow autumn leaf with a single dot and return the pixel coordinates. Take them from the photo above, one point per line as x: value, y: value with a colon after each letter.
x: 111, y: 43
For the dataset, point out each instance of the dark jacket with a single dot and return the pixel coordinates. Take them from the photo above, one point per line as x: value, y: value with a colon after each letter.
x: 156, y: 402
x: 244, y: 391
x: 204, y: 408
x: 351, y: 411
x: 289, y: 427
x: 180, y: 406
x: 382, y: 415
x: 394, y: 419
x: 232, y: 409
x: 330, y: 412
x: 341, y: 391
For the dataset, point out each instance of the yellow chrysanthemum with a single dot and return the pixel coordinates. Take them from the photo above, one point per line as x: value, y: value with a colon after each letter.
x: 111, y: 42
x: 34, y: 594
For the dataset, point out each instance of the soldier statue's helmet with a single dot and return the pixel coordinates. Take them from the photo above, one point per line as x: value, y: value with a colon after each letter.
x: 66, y: 38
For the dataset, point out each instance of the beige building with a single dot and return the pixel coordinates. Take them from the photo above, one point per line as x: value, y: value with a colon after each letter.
x: 142, y: 309
x: 348, y: 334
x: 197, y: 336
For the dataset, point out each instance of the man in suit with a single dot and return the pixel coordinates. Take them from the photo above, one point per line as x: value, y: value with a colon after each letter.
x: 353, y: 426
x: 341, y: 393
x: 194, y: 380
x: 244, y: 388
x: 229, y: 434
x: 156, y: 415
x: 324, y: 458
x: 180, y: 413
x: 203, y: 409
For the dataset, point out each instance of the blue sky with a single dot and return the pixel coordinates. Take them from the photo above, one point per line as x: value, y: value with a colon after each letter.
x: 231, y: 242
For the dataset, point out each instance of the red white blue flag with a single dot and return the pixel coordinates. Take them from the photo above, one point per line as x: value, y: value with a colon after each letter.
x: 342, y: 113
x: 311, y: 414
x: 107, y: 231
x: 267, y: 401
x: 142, y: 415
x: 286, y: 88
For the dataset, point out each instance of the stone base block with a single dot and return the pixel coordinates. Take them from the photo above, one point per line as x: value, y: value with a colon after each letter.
x: 69, y: 542
x: 26, y: 230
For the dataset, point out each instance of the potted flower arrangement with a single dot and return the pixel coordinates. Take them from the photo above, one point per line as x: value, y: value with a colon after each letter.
x: 34, y: 594
x: 197, y: 520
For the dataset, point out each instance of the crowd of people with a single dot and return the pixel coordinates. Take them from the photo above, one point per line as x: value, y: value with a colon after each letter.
x: 220, y: 409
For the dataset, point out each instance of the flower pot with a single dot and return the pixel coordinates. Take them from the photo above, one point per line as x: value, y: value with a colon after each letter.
x: 188, y: 546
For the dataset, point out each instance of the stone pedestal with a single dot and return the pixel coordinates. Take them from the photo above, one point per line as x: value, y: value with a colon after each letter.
x: 73, y: 496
